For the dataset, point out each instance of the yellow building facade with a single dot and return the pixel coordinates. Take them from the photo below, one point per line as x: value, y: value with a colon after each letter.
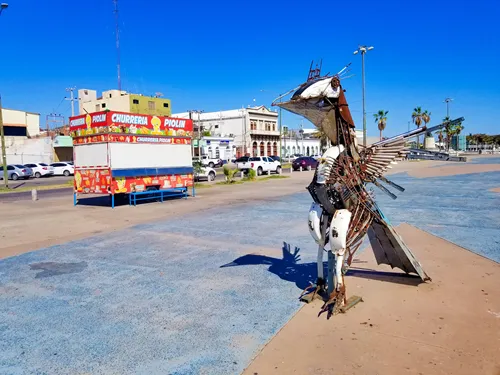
x: 122, y: 101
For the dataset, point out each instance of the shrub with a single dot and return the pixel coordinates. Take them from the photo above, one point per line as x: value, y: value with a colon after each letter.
x: 229, y: 173
x: 251, y: 175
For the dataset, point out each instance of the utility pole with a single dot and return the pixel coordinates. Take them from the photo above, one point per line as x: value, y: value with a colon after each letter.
x: 2, y: 135
x: 4, y: 151
x: 363, y: 50
x: 117, y: 33
x: 191, y: 111
x: 72, y: 99
x: 53, y: 121
x: 447, y: 101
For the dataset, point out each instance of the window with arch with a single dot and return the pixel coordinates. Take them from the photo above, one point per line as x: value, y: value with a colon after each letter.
x: 254, y: 149
x: 261, y: 148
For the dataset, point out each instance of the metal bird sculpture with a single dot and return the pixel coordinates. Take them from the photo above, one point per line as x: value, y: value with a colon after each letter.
x: 343, y: 209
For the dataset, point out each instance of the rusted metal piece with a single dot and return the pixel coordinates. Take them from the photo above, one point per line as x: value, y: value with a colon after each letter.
x: 351, y: 302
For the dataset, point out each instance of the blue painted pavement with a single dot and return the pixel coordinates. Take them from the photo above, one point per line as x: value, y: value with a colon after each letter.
x: 155, y: 299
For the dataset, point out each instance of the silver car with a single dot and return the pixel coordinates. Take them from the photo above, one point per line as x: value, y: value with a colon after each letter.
x: 16, y: 171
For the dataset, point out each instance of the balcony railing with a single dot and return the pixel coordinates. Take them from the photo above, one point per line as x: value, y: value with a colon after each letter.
x: 264, y: 132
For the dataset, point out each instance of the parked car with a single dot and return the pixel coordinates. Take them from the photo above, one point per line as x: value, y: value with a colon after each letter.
x: 40, y: 169
x: 16, y: 171
x: 306, y: 162
x: 204, y: 173
x: 63, y: 169
x: 276, y: 158
x: 260, y: 164
x: 208, y: 162
x: 241, y: 159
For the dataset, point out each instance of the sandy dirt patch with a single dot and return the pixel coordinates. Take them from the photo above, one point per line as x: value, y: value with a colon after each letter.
x: 448, y: 326
x: 452, y: 170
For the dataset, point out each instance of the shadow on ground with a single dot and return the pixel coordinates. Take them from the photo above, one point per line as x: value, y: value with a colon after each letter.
x: 302, y: 274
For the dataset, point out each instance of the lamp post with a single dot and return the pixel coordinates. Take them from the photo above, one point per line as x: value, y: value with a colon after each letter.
x: 2, y: 134
x: 362, y: 50
x: 447, y: 101
x: 3, y: 6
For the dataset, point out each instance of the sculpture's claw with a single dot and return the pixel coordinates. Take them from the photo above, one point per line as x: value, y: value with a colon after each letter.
x: 319, y: 291
x: 334, y: 303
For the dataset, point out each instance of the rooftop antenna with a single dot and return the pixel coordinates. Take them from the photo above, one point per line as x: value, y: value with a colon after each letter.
x: 158, y: 95
x: 117, y: 32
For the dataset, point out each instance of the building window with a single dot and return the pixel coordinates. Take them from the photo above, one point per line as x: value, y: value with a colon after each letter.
x: 97, y: 107
x: 253, y: 125
x: 216, y: 126
x: 274, y: 126
x: 103, y: 105
x: 268, y: 126
x: 135, y: 101
x: 151, y: 105
x: 110, y: 95
x: 165, y: 105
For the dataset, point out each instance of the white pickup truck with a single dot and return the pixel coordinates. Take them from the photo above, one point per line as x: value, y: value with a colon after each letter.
x: 208, y: 162
x: 260, y: 164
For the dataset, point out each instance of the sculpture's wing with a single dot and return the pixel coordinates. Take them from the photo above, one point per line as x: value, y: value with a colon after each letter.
x: 376, y: 160
x: 390, y: 249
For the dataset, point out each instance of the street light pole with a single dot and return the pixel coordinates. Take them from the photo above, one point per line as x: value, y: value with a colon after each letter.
x: 447, y: 101
x: 362, y: 50
x: 2, y: 7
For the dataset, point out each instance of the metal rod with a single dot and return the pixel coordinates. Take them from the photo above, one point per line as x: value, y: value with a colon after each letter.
x: 384, y: 189
x: 396, y: 186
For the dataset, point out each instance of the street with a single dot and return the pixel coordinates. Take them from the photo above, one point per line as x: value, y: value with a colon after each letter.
x: 61, y: 180
x: 42, y: 181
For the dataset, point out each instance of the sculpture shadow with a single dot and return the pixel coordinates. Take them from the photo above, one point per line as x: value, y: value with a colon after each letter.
x: 302, y: 274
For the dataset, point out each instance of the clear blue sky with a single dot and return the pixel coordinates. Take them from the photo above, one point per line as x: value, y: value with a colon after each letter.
x: 212, y: 55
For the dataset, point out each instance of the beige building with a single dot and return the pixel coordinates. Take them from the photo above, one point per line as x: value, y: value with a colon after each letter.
x: 254, y: 130
x: 122, y: 101
x: 23, y: 140
x: 20, y: 123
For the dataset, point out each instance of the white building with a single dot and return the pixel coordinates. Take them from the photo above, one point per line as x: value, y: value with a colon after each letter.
x: 215, y: 147
x: 254, y: 129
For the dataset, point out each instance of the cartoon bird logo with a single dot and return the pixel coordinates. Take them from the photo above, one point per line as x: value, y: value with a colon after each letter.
x: 156, y: 122
x: 88, y: 121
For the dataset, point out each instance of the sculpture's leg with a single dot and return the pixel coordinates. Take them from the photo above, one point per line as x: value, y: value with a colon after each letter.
x: 338, y: 243
x: 319, y: 287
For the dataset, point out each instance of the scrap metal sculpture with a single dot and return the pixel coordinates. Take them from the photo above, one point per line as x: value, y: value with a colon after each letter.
x: 343, y: 209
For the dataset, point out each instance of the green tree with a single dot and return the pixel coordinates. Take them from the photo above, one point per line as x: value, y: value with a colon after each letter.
x: 381, y: 120
x: 417, y: 119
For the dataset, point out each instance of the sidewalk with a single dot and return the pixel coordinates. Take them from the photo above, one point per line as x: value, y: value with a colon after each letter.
x: 448, y: 326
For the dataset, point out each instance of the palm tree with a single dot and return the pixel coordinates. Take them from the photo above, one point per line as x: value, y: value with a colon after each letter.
x: 381, y: 120
x: 417, y: 117
x: 426, y: 118
x: 448, y: 131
